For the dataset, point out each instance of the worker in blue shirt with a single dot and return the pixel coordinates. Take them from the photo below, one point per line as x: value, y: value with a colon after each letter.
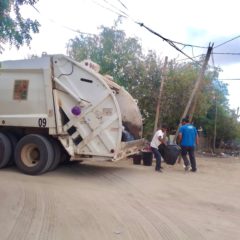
x: 188, y: 138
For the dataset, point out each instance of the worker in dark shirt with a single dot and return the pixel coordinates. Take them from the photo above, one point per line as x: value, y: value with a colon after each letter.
x: 188, y: 138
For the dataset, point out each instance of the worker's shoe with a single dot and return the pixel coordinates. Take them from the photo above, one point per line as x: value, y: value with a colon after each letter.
x: 187, y: 168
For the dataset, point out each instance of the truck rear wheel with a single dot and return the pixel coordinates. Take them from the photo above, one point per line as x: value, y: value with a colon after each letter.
x: 13, y: 141
x: 34, y: 154
x: 57, y: 154
x: 5, y: 150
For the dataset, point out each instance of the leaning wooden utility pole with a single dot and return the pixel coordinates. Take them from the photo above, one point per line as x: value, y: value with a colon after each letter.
x: 193, y: 107
x: 160, y: 94
x: 196, y: 87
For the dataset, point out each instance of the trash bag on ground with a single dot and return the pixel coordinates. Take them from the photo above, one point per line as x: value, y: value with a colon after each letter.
x: 170, y: 153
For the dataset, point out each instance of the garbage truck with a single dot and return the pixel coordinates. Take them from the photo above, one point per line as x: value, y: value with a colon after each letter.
x: 53, y: 106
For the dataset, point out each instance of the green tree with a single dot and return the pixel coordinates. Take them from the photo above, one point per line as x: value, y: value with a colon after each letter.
x: 177, y: 88
x: 13, y: 27
x: 110, y: 49
x: 219, y: 115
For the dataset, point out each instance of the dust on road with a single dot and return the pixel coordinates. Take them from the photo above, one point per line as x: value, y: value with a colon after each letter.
x: 122, y: 201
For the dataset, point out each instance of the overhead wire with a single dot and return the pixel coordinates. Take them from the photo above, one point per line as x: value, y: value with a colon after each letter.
x: 122, y: 4
x: 63, y: 26
x: 172, y: 43
x: 118, y: 12
x: 222, y: 79
x: 192, y: 52
x: 184, y: 59
x: 116, y: 8
x: 124, y: 14
x: 213, y: 62
x: 226, y: 53
x: 121, y: 13
x: 227, y: 41
x: 188, y: 45
x: 229, y: 79
x: 141, y: 24
x: 178, y: 54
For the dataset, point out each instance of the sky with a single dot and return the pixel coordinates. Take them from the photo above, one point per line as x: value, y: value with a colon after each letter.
x: 187, y: 21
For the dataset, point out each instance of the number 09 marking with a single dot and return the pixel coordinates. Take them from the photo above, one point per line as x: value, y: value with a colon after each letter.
x: 42, y: 122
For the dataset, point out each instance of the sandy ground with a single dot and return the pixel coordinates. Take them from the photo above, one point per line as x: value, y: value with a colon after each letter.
x: 122, y: 201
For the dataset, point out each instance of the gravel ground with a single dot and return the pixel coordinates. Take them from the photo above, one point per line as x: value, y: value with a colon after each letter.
x: 123, y: 201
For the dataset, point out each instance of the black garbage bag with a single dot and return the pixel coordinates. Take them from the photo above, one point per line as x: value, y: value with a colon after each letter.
x: 171, y: 153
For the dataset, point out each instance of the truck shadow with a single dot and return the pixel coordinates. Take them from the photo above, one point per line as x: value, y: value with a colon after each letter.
x: 81, y: 169
x: 90, y: 169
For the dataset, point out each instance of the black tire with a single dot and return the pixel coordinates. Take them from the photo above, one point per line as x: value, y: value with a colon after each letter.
x: 57, y: 154
x: 5, y: 150
x: 65, y: 157
x: 13, y: 140
x: 34, y: 154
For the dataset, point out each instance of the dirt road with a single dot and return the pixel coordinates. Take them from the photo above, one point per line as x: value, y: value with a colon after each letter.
x: 122, y: 201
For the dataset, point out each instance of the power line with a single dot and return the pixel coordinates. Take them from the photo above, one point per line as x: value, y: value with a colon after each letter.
x: 229, y: 79
x: 166, y: 39
x: 141, y: 24
x: 213, y: 61
x: 188, y: 45
x: 63, y: 26
x: 121, y: 13
x: 226, y: 53
x: 116, y: 8
x: 184, y: 59
x: 123, y: 4
x: 227, y: 41
x: 36, y: 9
x: 170, y: 42
x: 111, y: 10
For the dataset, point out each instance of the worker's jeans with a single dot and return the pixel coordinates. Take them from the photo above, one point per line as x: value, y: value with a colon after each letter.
x: 157, y: 155
x: 191, y: 152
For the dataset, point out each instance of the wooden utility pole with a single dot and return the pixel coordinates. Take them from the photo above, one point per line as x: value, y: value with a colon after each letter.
x: 160, y: 94
x: 196, y: 87
x: 192, y: 108
x: 215, y: 125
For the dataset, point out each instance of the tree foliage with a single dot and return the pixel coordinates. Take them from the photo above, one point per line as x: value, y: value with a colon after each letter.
x: 14, y: 29
x: 123, y: 58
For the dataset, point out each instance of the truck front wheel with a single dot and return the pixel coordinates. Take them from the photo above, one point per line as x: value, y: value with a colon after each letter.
x: 34, y: 154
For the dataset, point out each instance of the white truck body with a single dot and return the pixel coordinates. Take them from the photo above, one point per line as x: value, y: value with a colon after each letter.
x: 72, y: 102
